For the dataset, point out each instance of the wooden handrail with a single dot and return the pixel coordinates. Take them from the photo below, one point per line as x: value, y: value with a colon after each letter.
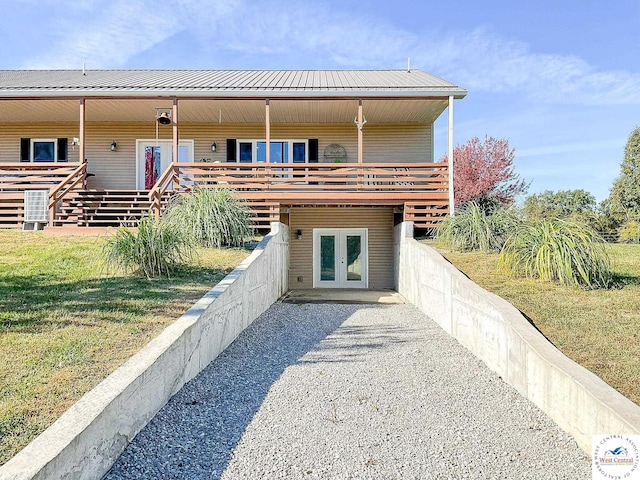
x: 162, y: 186
x: 317, y: 176
x: 64, y: 187
x: 21, y: 176
x: 78, y: 174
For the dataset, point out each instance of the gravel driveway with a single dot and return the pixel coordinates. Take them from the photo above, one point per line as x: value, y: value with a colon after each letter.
x: 327, y: 391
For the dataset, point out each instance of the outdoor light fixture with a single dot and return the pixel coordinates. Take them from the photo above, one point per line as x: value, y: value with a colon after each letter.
x: 214, y: 147
x: 114, y: 146
x: 360, y: 125
x: 164, y: 118
x: 299, y: 234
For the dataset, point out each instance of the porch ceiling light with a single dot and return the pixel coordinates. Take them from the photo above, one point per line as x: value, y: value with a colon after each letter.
x: 114, y: 146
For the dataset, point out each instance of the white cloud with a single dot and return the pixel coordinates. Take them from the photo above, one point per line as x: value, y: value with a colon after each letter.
x: 483, y: 61
x: 106, y: 35
x: 275, y: 32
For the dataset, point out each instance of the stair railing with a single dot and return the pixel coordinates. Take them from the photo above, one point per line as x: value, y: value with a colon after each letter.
x: 169, y: 177
x: 78, y: 176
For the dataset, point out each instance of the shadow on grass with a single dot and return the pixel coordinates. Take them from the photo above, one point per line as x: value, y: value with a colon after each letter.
x: 34, y: 303
x: 621, y: 280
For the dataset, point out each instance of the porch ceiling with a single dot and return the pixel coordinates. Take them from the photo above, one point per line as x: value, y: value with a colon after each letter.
x: 308, y: 111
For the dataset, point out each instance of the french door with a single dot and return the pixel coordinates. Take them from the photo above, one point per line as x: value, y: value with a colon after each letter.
x: 340, y: 258
x: 153, y: 158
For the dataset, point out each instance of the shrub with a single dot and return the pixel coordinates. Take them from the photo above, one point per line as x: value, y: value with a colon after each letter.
x: 155, y: 248
x: 629, y: 232
x: 474, y: 229
x: 212, y: 217
x: 557, y: 250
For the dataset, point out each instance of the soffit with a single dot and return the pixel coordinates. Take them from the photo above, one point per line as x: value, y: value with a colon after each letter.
x: 376, y: 111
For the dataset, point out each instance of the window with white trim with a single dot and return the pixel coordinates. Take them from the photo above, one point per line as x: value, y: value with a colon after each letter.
x: 44, y: 150
x: 282, y: 151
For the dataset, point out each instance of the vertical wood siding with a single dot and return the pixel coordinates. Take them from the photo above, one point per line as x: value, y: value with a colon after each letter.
x: 379, y: 221
x: 117, y: 170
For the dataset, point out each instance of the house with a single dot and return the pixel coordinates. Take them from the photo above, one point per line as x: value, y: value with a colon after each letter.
x: 339, y: 156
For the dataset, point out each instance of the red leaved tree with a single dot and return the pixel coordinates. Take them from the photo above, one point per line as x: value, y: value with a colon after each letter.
x: 483, y: 172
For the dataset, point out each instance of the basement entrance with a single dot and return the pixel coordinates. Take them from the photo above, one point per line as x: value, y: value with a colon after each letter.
x: 340, y: 258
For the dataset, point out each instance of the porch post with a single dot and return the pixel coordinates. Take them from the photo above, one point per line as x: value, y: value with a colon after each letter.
x: 450, y: 157
x: 174, y: 117
x: 82, y: 151
x: 360, y: 118
x: 268, y: 130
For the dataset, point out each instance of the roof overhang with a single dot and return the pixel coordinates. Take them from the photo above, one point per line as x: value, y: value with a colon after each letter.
x: 231, y: 96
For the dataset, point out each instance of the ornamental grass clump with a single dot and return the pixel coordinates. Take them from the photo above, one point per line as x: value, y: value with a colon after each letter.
x: 472, y: 228
x: 154, y: 249
x: 212, y: 217
x: 567, y: 252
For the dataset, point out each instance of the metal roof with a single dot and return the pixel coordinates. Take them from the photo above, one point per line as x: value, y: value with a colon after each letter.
x: 225, y: 83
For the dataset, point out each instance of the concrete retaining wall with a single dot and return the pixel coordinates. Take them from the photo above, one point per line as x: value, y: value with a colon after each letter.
x: 497, y: 333
x: 89, y: 437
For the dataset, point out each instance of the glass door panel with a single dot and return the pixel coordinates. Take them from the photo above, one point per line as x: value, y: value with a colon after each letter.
x: 354, y: 258
x: 152, y: 165
x: 328, y: 258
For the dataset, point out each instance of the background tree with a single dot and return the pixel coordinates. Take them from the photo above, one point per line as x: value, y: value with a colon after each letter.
x: 624, y: 198
x: 561, y: 204
x: 484, y: 173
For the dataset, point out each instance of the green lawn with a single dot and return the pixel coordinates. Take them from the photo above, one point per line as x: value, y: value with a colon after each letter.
x: 65, y: 325
x: 599, y: 329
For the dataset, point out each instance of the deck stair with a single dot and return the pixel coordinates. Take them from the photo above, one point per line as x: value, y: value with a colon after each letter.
x: 104, y: 208
x: 427, y: 215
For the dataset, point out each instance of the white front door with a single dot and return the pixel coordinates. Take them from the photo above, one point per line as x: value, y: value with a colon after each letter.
x: 340, y: 258
x: 153, y: 157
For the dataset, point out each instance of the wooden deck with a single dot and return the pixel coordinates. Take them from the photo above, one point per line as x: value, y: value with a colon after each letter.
x: 423, y: 187
x: 420, y: 189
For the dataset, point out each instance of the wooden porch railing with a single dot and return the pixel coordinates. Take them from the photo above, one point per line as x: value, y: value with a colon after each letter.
x: 296, y: 182
x: 17, y: 177
x: 34, y: 176
x: 76, y: 180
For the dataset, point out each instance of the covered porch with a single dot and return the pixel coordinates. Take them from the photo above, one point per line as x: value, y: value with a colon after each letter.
x: 277, y: 138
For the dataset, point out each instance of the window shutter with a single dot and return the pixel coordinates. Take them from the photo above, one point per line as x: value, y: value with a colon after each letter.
x: 63, y: 150
x: 231, y: 150
x: 313, y: 150
x: 25, y: 149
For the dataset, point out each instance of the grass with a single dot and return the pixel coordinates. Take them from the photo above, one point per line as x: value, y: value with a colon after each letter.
x: 599, y: 329
x: 64, y: 326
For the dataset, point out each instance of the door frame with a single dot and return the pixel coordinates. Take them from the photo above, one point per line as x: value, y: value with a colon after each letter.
x: 190, y: 144
x: 341, y: 275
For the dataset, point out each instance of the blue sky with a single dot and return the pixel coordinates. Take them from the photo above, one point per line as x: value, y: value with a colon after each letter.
x: 560, y: 79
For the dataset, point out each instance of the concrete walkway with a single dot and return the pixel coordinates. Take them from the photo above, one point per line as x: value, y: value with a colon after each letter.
x: 349, y: 391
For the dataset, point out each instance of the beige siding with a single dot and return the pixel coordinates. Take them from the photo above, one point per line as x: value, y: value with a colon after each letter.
x: 379, y: 221
x: 117, y: 170
x: 10, y: 135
